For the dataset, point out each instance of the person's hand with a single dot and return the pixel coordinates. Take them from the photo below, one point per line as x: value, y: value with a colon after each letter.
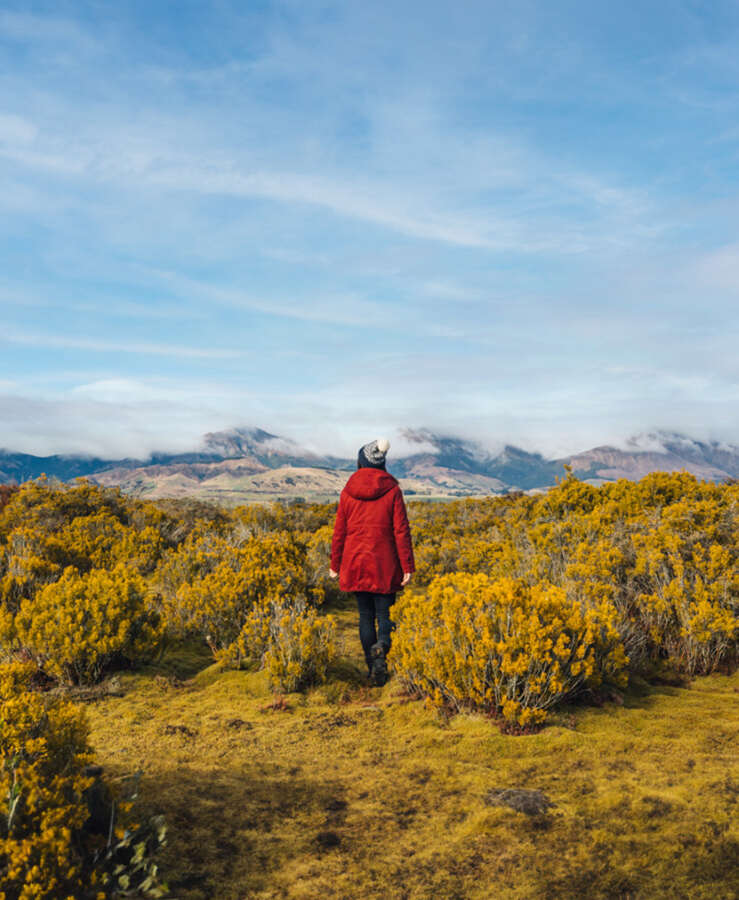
x: 332, y: 574
x: 406, y: 579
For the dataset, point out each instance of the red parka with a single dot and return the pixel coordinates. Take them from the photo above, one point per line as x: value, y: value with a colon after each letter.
x: 371, y: 547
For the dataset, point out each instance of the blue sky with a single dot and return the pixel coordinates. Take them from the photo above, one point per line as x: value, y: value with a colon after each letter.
x: 510, y: 221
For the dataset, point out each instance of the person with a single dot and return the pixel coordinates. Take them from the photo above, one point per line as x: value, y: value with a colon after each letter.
x: 372, y: 551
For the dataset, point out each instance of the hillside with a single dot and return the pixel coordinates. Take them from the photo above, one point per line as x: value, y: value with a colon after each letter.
x: 670, y: 453
x: 249, y: 464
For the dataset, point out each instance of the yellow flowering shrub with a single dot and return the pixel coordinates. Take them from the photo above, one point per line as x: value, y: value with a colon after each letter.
x: 6, y: 492
x: 79, y: 626
x: 663, y: 552
x: 25, y: 565
x: 45, y: 507
x: 56, y: 839
x: 194, y: 557
x: 220, y: 583
x: 322, y: 587
x: 502, y: 645
x: 297, y: 516
x: 690, y: 607
x: 101, y: 541
x: 290, y: 641
x: 44, y: 751
x: 708, y: 636
x: 657, y: 560
x: 82, y: 525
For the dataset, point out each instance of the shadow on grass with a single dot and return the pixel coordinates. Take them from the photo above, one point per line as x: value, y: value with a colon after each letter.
x: 347, y: 671
x: 640, y: 694
x: 342, y: 605
x: 181, y: 660
x: 228, y: 834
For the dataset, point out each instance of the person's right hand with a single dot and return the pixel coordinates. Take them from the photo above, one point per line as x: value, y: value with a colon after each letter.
x: 406, y: 578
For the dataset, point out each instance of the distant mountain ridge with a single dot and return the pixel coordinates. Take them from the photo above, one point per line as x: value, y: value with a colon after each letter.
x: 245, y: 464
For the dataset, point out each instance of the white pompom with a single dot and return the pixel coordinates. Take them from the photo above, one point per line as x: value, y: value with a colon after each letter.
x: 383, y: 445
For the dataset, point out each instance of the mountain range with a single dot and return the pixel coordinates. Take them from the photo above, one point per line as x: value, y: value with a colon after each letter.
x: 248, y: 464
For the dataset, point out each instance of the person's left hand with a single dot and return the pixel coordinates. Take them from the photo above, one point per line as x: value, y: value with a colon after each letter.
x: 332, y: 574
x: 406, y: 578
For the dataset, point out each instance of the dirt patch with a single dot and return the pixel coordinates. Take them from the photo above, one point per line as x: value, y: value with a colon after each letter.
x: 180, y: 729
x: 238, y: 725
x: 326, y: 840
x: 656, y: 807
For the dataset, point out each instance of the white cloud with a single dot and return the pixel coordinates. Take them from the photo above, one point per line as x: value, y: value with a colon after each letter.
x: 128, y: 390
x: 117, y: 416
x: 110, y: 428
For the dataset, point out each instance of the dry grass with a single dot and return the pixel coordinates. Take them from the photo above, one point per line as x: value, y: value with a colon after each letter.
x: 353, y: 792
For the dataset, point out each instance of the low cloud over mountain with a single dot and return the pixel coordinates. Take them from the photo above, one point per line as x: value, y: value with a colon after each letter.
x: 244, y: 464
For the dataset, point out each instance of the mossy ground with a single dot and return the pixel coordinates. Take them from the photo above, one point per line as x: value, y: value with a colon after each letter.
x: 356, y: 792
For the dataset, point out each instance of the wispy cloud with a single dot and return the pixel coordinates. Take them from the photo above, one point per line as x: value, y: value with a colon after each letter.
x: 16, y: 130
x: 34, y: 30
x: 106, y: 346
x: 406, y: 208
x: 342, y: 309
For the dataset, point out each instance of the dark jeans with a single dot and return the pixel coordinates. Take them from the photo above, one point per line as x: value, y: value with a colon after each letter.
x: 371, y: 607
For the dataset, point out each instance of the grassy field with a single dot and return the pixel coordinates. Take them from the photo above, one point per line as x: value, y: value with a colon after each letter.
x: 356, y: 792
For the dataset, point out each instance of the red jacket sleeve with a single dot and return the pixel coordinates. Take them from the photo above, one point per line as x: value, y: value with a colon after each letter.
x: 402, y: 532
x: 337, y: 542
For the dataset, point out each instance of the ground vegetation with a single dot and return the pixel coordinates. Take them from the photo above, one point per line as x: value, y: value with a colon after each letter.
x: 562, y: 717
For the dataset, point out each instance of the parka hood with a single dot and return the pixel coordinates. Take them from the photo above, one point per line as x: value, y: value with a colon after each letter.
x: 369, y: 484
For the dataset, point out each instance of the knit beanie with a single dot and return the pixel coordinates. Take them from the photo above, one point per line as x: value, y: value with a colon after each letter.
x: 372, y: 455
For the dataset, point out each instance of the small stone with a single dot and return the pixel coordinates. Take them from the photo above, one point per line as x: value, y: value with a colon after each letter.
x: 529, y: 802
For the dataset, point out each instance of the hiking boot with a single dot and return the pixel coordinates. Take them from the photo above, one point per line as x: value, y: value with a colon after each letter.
x: 379, y: 665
